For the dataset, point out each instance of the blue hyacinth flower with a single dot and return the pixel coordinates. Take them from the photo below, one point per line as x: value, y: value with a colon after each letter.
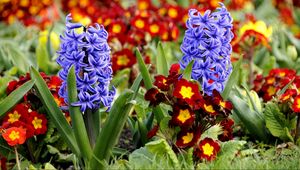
x: 207, y: 42
x: 90, y: 54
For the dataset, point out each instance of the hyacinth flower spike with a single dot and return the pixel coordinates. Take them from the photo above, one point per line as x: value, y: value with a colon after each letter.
x: 90, y: 54
x: 207, y: 42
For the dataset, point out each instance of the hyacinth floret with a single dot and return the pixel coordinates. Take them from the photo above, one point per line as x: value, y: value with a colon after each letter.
x: 207, y: 42
x: 89, y: 52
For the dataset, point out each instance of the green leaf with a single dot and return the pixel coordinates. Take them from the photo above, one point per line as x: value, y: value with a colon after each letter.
x: 213, y: 132
x: 54, y: 112
x: 42, y: 57
x: 232, y: 79
x: 76, y: 117
x: 144, y: 71
x: 188, y: 70
x: 161, y: 147
x: 228, y: 152
x: 14, y: 97
x: 251, y: 119
x: 161, y: 60
x: 48, y: 166
x: 276, y: 122
x: 159, y: 114
x: 112, y: 128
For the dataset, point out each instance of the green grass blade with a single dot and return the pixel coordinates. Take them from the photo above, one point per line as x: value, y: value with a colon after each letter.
x: 13, y: 98
x: 161, y: 61
x: 112, y: 128
x: 232, y: 79
x: 188, y: 70
x: 54, y: 112
x: 77, y: 119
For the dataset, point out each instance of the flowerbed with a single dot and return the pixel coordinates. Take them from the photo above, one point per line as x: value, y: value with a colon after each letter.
x: 149, y: 84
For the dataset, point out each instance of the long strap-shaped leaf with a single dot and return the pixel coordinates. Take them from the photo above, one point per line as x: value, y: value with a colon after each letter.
x: 112, y: 129
x: 159, y: 114
x: 161, y: 61
x: 232, y: 79
x: 14, y: 97
x: 77, y: 119
x: 54, y: 112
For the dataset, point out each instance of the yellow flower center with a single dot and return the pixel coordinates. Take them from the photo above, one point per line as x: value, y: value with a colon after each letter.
x: 223, y: 104
x: 208, y: 149
x: 14, y: 135
x: 186, y: 92
x: 37, y: 123
x: 184, y: 115
x: 139, y: 23
x: 172, y: 13
x: 298, y: 103
x: 154, y: 28
x: 271, y: 90
x: 271, y: 80
x: 24, y: 3
x: 116, y: 28
x: 20, y: 13
x: 188, y: 138
x: 164, y: 81
x: 282, y: 74
x: 122, y: 60
x: 143, y: 5
x: 209, y: 108
x: 13, y: 117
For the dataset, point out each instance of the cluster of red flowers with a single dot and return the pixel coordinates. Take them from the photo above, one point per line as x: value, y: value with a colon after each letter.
x: 267, y: 87
x: 30, y: 12
x: 24, y: 121
x: 129, y: 27
x: 192, y: 111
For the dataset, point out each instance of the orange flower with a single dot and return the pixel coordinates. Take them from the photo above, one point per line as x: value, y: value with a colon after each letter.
x: 14, y: 136
x: 289, y: 94
x: 296, y: 104
x: 207, y: 149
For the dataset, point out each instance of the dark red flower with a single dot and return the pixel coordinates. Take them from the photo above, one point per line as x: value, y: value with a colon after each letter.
x: 187, y: 138
x: 207, y: 149
x: 38, y: 122
x: 183, y: 116
x: 161, y: 82
x: 187, y: 91
x: 155, y: 97
x: 218, y: 100
x: 226, y: 125
x: 123, y: 59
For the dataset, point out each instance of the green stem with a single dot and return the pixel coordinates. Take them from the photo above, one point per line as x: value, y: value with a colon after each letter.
x: 297, y: 135
x: 17, y: 158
